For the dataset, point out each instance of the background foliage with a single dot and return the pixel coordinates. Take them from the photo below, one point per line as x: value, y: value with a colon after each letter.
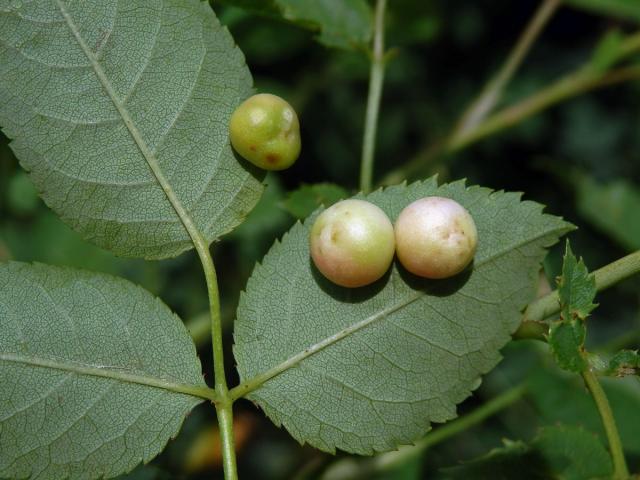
x: 580, y: 158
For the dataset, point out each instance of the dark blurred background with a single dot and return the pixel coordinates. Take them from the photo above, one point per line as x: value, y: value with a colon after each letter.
x: 581, y: 158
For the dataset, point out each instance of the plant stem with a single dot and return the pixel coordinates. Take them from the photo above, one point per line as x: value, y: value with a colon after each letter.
x: 376, y: 78
x: 605, y: 277
x: 567, y: 87
x: 581, y: 81
x: 389, y: 460
x: 225, y: 424
x: 620, y: 470
x: 224, y: 405
x: 490, y: 95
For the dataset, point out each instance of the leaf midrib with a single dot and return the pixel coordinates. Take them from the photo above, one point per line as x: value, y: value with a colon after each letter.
x: 257, y: 381
x: 145, y: 150
x: 110, y: 373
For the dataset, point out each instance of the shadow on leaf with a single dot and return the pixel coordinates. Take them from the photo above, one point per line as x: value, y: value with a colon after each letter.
x: 438, y: 288
x: 346, y: 294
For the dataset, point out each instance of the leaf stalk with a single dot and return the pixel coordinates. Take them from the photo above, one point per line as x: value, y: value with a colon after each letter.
x: 491, y: 94
x: 224, y: 404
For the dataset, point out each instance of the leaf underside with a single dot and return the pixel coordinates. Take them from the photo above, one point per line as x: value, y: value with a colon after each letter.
x: 418, y: 347
x: 94, y: 92
x: 68, y: 340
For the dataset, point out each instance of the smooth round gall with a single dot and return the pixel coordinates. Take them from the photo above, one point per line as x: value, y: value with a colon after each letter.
x: 436, y: 237
x: 352, y: 243
x: 265, y: 130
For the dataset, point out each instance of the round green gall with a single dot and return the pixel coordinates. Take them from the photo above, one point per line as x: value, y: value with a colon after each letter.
x: 352, y: 243
x: 436, y: 237
x: 265, y: 130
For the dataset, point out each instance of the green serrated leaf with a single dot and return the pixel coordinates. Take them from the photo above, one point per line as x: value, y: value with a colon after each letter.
x: 622, y: 9
x: 91, y: 370
x: 623, y: 363
x: 367, y: 369
x: 576, y: 288
x: 565, y: 452
x: 305, y: 200
x: 116, y: 107
x: 340, y: 23
x: 566, y: 340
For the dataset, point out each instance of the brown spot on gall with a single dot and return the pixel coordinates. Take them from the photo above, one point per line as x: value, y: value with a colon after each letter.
x: 271, y: 158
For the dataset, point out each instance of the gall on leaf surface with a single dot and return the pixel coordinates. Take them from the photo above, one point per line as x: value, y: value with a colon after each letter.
x: 88, y: 369
x: 365, y: 370
x: 103, y: 98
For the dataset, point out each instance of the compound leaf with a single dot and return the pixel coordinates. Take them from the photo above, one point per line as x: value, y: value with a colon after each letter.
x: 119, y: 111
x: 365, y: 370
x: 93, y: 372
